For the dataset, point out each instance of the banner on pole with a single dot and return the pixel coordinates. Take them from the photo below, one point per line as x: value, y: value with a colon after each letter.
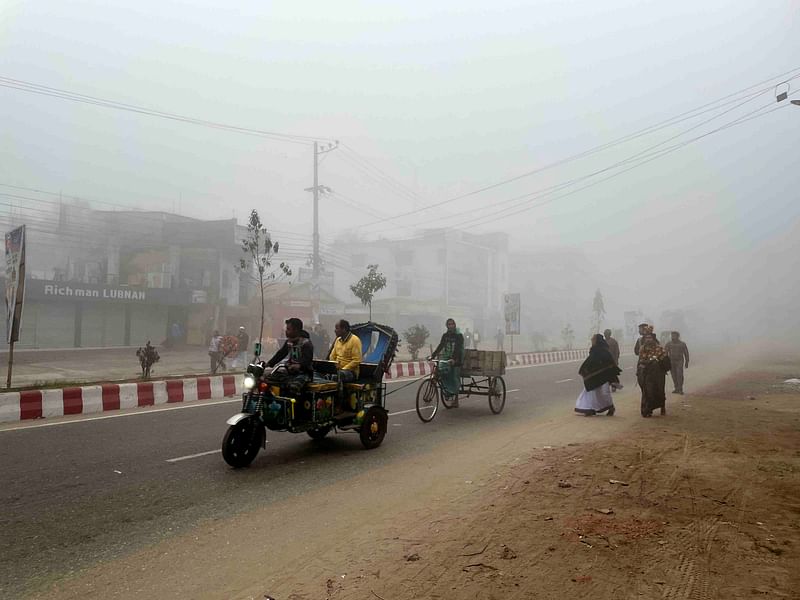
x: 15, y: 281
x: 511, y: 310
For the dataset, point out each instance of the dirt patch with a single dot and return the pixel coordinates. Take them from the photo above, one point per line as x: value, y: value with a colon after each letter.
x: 704, y: 505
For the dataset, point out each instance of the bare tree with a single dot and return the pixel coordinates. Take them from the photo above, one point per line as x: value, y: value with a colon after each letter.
x: 259, y: 255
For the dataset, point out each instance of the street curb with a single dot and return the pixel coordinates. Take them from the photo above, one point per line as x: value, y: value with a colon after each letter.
x: 40, y: 404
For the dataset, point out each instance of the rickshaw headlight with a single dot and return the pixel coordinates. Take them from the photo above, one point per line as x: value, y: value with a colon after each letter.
x: 249, y: 382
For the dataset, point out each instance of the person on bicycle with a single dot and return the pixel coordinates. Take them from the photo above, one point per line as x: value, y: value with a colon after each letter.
x: 450, y: 353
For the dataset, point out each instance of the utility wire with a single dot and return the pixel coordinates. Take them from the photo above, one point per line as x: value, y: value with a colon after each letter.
x: 690, y: 114
x: 43, y: 90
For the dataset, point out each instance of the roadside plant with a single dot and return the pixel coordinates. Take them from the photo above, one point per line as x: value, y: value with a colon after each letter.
x: 415, y: 337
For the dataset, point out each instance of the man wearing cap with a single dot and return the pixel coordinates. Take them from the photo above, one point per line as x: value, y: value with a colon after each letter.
x: 243, y: 341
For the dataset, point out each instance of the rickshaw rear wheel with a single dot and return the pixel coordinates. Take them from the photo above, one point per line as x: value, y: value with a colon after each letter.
x: 497, y: 394
x: 242, y: 442
x: 319, y: 433
x: 374, y: 427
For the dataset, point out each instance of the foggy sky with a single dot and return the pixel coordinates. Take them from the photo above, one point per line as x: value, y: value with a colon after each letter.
x: 445, y: 100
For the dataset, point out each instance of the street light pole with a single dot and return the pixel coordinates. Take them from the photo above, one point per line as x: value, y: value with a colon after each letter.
x: 315, y: 258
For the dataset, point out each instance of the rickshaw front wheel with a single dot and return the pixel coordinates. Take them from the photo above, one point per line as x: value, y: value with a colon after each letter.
x: 242, y: 442
x: 374, y: 427
x: 427, y: 400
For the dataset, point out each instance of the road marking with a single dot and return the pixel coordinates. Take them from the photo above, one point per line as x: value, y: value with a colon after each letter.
x: 512, y: 391
x: 563, y: 380
x: 130, y: 414
x: 402, y: 412
x: 198, y: 455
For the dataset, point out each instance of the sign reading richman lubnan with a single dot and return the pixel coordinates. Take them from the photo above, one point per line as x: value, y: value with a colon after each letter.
x: 54, y: 289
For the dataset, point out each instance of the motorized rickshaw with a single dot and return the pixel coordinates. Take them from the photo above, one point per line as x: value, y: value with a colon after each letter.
x: 321, y: 406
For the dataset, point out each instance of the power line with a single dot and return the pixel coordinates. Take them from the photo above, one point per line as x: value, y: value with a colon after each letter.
x: 511, y: 202
x: 690, y: 114
x: 43, y: 90
x: 642, y: 160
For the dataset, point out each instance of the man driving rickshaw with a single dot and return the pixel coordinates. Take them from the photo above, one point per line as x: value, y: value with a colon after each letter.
x: 299, y: 354
x: 450, y: 352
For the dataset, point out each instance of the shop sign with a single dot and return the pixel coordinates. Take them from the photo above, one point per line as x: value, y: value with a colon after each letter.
x: 70, y: 291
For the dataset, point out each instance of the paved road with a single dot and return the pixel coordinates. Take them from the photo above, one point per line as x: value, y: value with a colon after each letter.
x: 80, y: 491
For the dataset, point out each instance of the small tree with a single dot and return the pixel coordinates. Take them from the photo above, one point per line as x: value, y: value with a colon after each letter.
x: 259, y: 254
x: 598, y: 312
x: 148, y: 356
x: 365, y: 288
x: 568, y: 335
x: 416, y: 335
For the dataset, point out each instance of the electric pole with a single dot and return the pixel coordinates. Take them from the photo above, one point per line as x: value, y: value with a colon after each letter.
x: 315, y: 259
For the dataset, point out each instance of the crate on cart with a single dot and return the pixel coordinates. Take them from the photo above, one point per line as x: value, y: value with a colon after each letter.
x: 483, y: 363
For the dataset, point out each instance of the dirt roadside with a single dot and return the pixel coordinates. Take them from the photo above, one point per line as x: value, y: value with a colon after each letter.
x: 710, y: 510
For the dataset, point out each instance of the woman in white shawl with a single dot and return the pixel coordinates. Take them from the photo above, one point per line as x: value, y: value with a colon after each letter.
x: 600, y: 375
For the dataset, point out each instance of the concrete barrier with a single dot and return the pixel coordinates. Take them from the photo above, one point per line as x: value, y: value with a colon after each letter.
x: 40, y: 404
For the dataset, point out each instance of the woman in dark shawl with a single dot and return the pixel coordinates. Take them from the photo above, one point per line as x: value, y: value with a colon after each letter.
x: 651, y: 373
x: 600, y: 374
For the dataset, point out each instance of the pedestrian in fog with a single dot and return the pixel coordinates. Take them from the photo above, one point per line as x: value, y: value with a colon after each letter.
x: 678, y: 354
x: 651, y: 373
x: 613, y: 346
x: 500, y: 338
x: 476, y: 339
x: 215, y: 351
x: 600, y: 375
x: 242, y: 341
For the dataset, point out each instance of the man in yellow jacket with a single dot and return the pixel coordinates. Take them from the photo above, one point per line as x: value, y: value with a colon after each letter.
x: 346, y: 352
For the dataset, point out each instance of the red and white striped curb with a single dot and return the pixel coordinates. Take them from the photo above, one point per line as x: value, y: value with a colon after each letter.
x: 38, y: 404
x: 538, y: 358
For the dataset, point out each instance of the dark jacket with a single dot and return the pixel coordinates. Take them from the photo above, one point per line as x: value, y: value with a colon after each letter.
x: 599, y: 367
x: 613, y: 348
x: 300, y: 351
x: 456, y: 341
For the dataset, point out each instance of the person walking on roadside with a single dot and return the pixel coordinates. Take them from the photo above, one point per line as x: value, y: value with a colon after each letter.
x: 215, y: 351
x: 500, y: 338
x: 600, y: 376
x: 243, y: 341
x: 476, y: 339
x: 613, y: 346
x: 678, y: 354
x: 651, y: 373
